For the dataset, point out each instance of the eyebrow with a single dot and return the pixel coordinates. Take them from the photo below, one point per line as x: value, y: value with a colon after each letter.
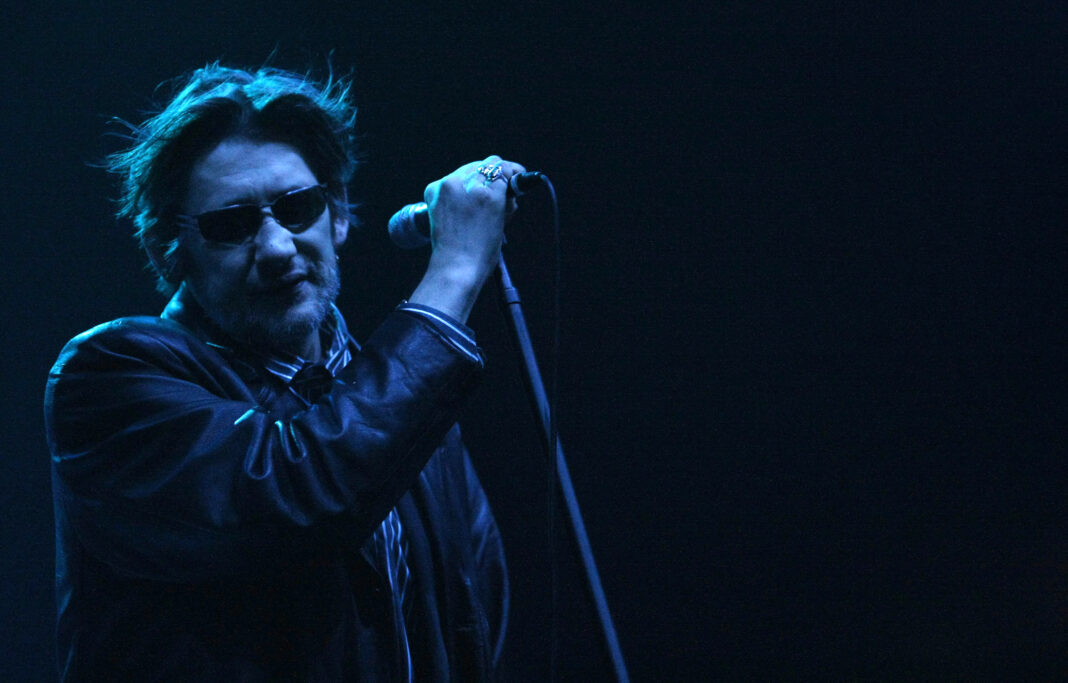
x: 247, y: 200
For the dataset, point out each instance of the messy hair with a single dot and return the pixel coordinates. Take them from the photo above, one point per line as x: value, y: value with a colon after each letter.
x: 214, y: 103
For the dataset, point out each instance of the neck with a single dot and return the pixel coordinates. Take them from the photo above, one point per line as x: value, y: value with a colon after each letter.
x: 312, y: 348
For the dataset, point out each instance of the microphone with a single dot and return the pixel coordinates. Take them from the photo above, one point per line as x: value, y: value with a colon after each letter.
x: 410, y: 227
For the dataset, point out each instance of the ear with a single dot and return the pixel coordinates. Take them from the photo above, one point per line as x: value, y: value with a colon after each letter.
x: 340, y: 223
x: 341, y: 230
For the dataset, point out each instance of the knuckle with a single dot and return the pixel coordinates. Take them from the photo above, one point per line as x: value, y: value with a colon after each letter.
x: 482, y: 195
x: 449, y: 187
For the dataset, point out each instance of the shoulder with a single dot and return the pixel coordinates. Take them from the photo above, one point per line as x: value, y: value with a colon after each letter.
x: 139, y: 348
x: 135, y: 329
x: 133, y: 337
x: 132, y: 366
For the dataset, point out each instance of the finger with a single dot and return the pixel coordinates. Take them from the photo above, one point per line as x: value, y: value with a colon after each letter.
x: 494, y: 168
x: 487, y: 163
x: 491, y: 170
x: 512, y: 168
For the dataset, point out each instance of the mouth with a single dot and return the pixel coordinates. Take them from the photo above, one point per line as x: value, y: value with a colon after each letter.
x: 283, y: 286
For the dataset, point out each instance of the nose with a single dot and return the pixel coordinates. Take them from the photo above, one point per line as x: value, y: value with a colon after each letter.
x: 274, y: 243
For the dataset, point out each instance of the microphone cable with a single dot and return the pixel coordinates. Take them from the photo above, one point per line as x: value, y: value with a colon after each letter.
x: 521, y: 185
x: 554, y: 366
x: 552, y: 471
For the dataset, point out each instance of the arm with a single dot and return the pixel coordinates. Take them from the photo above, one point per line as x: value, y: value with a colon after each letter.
x: 167, y: 469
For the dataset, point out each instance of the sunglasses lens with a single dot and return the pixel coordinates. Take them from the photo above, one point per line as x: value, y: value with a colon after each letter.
x: 229, y: 225
x: 295, y: 211
x: 298, y: 210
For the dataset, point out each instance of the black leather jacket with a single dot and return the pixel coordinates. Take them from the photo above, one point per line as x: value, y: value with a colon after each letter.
x: 209, y: 524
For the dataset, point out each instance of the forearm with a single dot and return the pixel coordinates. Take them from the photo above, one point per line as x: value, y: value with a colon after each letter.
x: 452, y: 285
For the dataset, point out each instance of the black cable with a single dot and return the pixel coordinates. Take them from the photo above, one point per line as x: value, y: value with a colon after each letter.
x: 544, y: 405
x: 554, y: 363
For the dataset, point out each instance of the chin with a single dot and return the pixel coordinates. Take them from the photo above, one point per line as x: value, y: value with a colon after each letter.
x: 290, y: 330
x: 284, y: 325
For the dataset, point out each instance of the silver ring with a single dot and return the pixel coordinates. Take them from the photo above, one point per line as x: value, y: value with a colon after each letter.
x: 490, y: 172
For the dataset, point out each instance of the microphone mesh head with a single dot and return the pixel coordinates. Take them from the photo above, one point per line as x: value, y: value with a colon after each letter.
x: 410, y: 227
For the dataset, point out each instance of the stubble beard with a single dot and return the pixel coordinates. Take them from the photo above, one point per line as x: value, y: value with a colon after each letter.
x: 270, y: 323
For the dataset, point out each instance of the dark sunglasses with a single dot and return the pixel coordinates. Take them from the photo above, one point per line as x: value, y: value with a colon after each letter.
x: 295, y: 211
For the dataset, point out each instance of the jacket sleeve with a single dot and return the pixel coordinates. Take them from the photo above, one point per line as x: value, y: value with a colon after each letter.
x: 167, y: 468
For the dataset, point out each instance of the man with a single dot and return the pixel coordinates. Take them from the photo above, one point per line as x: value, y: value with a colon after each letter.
x: 241, y: 491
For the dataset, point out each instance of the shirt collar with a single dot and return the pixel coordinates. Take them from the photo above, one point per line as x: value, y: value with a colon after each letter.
x: 285, y: 365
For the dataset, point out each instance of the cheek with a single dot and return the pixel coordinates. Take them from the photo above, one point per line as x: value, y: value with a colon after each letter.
x: 217, y: 276
x: 318, y: 243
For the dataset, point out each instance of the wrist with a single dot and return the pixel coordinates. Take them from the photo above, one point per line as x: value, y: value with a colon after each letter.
x: 451, y: 285
x: 459, y: 270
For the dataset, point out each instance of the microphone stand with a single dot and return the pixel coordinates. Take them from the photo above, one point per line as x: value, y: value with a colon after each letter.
x: 540, y: 405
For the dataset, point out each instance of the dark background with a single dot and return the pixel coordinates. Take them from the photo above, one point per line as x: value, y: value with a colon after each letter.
x: 812, y: 371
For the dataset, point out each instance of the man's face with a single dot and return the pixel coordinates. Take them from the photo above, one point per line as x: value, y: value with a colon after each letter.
x: 275, y: 289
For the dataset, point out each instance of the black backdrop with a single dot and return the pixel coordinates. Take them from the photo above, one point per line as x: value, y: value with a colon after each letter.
x: 812, y: 380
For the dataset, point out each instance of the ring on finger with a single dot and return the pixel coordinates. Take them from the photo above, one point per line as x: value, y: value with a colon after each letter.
x: 490, y: 171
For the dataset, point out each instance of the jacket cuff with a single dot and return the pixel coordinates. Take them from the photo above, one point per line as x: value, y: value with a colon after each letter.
x: 452, y: 330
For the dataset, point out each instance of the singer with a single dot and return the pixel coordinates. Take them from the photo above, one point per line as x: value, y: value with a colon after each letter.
x: 242, y: 491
